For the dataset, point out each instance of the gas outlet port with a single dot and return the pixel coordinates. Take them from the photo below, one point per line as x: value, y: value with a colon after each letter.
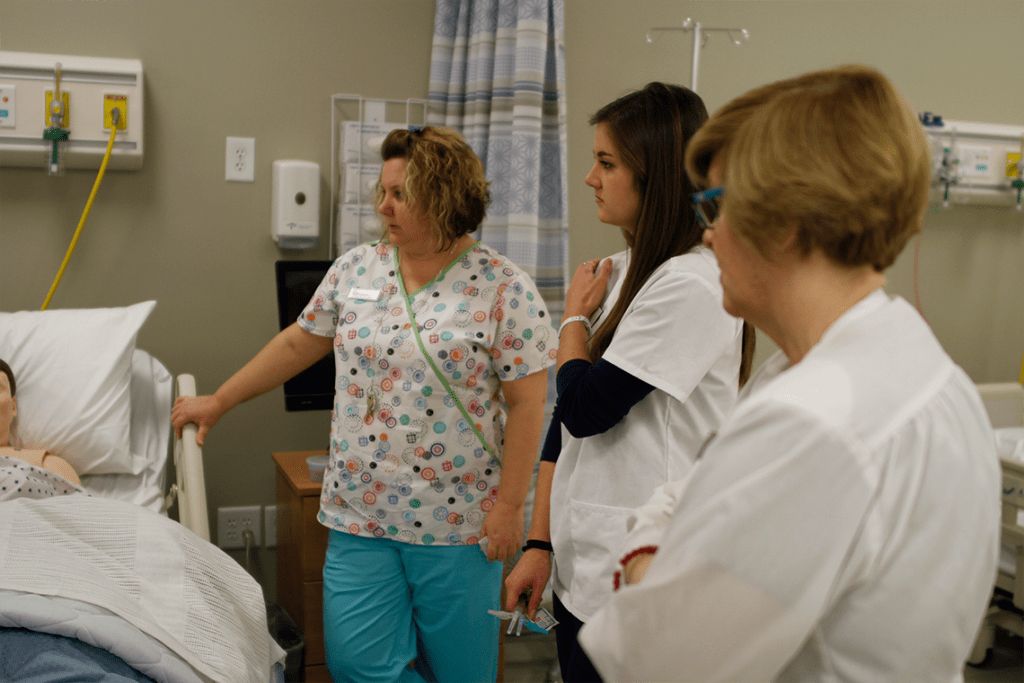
x: 112, y: 101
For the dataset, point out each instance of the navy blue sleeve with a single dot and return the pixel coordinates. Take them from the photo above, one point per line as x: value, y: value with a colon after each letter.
x: 553, y: 441
x: 592, y: 398
x: 595, y: 397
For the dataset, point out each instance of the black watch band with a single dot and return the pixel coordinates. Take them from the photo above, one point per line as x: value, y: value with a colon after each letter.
x: 540, y: 545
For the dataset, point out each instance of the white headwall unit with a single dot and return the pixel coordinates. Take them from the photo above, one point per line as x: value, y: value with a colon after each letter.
x: 976, y: 163
x: 25, y: 79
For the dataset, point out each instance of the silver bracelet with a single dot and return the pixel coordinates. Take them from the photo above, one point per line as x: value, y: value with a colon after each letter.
x: 576, y: 318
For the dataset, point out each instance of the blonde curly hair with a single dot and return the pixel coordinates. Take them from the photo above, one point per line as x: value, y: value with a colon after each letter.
x: 444, y: 180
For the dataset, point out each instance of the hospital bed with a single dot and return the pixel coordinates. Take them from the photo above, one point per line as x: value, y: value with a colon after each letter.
x: 110, y: 569
x: 1005, y: 406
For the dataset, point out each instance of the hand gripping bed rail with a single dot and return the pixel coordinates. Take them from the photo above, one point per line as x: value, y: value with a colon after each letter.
x: 188, y: 463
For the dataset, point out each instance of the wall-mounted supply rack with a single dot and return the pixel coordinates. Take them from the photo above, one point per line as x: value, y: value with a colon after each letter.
x: 358, y: 127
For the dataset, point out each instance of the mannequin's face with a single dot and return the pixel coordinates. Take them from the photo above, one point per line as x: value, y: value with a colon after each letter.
x: 8, y: 410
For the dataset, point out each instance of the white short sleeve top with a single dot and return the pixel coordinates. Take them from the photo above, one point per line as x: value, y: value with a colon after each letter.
x: 676, y: 336
x: 843, y: 525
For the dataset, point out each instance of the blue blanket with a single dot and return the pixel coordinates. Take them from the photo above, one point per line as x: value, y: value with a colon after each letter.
x: 34, y: 657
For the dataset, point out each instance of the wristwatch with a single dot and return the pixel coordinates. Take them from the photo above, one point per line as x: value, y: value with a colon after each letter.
x: 540, y: 545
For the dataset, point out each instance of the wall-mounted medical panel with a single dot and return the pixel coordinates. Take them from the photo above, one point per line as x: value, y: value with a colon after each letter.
x: 91, y: 88
x: 977, y: 163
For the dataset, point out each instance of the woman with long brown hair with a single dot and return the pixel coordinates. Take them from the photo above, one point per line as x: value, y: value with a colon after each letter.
x: 663, y: 366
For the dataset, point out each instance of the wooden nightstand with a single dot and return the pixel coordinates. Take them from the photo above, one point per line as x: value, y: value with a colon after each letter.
x: 301, y: 547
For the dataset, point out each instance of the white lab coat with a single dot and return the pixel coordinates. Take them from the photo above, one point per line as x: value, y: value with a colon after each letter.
x: 675, y: 336
x: 843, y: 525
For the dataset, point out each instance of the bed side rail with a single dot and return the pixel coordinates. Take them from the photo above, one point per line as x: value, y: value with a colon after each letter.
x: 1004, y: 402
x: 188, y: 464
x: 1012, y: 532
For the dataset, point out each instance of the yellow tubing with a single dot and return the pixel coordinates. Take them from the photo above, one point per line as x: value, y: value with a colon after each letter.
x: 85, y: 214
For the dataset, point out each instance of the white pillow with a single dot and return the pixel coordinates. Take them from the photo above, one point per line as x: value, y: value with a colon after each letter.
x: 73, y: 373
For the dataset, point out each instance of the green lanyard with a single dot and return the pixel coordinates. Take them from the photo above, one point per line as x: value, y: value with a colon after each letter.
x: 423, y: 350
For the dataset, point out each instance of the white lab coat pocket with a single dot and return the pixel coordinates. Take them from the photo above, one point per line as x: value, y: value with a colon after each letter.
x: 598, y: 532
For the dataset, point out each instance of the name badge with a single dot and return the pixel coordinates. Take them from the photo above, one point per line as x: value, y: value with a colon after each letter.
x: 365, y: 294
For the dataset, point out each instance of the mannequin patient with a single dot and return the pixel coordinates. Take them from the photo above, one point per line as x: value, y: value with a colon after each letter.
x: 8, y: 418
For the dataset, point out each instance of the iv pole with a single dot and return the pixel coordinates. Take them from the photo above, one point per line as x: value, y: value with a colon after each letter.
x: 700, y: 37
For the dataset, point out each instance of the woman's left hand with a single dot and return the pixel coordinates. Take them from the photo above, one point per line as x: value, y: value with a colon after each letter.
x: 635, y: 569
x: 588, y: 286
x: 503, y: 529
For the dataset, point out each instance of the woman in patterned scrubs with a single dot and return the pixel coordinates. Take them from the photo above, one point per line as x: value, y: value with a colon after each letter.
x: 440, y: 345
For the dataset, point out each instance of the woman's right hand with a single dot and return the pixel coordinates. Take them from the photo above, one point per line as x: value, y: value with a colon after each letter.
x: 203, y: 411
x: 531, y: 573
x: 587, y: 288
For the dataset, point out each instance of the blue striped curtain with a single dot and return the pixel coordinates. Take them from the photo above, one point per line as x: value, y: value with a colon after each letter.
x: 497, y: 76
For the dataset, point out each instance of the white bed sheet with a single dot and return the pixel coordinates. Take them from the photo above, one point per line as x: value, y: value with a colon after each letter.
x: 151, y: 572
x: 1010, y: 443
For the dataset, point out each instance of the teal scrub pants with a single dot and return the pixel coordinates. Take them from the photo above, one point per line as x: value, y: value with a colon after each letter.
x: 388, y: 604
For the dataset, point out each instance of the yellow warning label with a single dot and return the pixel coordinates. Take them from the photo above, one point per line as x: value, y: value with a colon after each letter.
x: 1013, y: 164
x: 110, y: 103
x: 65, y: 97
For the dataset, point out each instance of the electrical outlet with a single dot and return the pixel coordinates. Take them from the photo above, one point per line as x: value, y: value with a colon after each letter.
x: 232, y: 523
x: 270, y: 525
x: 240, y: 160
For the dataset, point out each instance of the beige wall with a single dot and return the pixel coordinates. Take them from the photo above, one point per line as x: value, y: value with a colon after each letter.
x: 178, y: 233
x: 951, y: 57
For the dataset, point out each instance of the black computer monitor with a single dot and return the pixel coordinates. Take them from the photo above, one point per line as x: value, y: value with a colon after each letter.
x: 313, y: 388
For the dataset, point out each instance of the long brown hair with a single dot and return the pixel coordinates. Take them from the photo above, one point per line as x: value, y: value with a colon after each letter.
x: 651, y: 128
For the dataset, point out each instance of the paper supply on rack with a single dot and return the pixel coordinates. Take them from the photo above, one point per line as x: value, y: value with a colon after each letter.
x: 357, y: 224
x: 360, y: 143
x: 359, y: 183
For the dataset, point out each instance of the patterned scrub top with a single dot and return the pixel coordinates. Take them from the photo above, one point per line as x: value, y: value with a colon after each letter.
x: 409, y: 462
